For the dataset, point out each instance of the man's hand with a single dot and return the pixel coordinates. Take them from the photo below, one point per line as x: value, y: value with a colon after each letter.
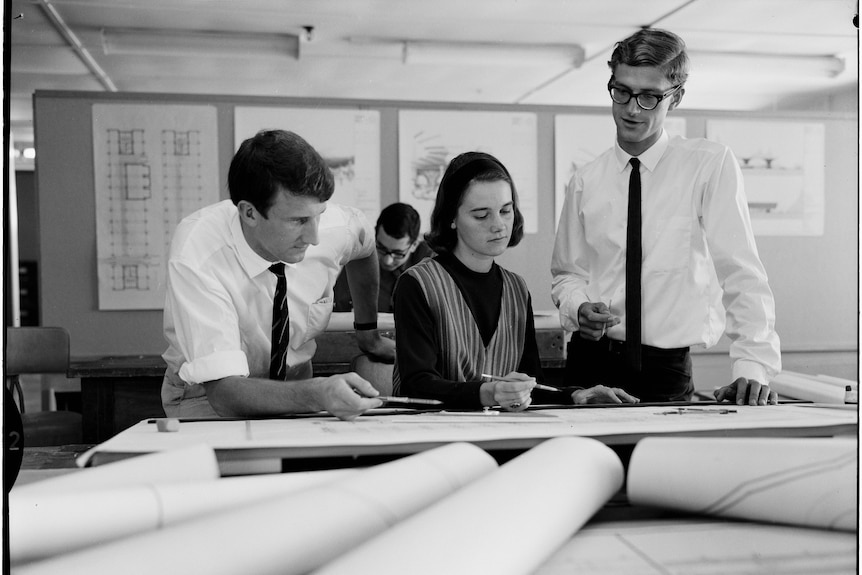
x: 346, y: 396
x: 747, y: 392
x: 371, y: 342
x: 602, y: 394
x: 594, y: 318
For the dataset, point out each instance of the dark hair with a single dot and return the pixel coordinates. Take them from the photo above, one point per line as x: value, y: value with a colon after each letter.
x: 462, y: 170
x: 399, y: 220
x: 653, y: 47
x: 275, y: 160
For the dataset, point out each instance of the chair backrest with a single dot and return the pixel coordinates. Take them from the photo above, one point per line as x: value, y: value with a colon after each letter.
x: 377, y: 373
x: 36, y: 350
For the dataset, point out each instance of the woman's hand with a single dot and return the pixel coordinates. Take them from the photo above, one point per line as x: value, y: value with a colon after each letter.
x: 511, y: 391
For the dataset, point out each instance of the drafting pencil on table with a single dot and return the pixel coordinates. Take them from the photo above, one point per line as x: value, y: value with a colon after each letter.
x: 397, y: 399
x: 393, y: 399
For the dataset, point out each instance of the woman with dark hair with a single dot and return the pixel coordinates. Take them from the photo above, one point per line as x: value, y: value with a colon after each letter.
x: 459, y: 316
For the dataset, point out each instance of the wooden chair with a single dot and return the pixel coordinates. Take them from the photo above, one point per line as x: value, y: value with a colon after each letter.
x: 40, y: 350
x: 377, y: 373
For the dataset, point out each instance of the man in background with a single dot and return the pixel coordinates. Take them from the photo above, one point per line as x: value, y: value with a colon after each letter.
x: 398, y: 248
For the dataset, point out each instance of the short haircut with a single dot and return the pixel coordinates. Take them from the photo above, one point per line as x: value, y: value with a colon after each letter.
x: 462, y: 170
x: 275, y: 160
x: 399, y: 220
x: 656, y: 48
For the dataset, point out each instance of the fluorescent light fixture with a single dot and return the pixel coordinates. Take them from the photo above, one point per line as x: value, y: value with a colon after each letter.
x: 768, y: 65
x: 491, y: 54
x: 469, y: 53
x: 192, y: 43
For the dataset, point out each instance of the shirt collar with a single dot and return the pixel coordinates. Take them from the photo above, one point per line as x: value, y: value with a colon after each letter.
x: 252, y: 263
x: 649, y: 159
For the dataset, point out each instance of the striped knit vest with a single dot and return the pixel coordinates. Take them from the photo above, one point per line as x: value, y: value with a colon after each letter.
x: 465, y: 358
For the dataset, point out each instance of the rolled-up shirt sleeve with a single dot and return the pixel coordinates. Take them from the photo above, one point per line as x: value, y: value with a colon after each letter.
x: 205, y: 325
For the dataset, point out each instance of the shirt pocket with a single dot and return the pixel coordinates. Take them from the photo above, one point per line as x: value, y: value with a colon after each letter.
x: 318, y: 318
x: 668, y: 245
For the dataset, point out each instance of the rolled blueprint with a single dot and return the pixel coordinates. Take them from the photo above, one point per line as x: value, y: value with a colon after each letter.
x: 194, y: 463
x: 42, y: 525
x: 807, y: 387
x: 291, y: 534
x: 507, y: 522
x: 800, y: 481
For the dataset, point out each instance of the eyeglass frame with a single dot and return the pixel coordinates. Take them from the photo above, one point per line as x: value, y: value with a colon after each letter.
x: 637, y: 95
x: 394, y: 254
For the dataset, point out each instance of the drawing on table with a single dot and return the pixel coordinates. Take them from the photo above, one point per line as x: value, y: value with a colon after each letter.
x: 688, y: 546
x: 798, y: 481
x: 153, y: 166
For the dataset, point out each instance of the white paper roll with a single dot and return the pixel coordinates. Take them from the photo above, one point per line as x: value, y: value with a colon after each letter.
x: 291, y: 534
x: 809, y: 388
x: 800, y: 481
x: 508, y: 522
x: 42, y: 525
x: 194, y: 463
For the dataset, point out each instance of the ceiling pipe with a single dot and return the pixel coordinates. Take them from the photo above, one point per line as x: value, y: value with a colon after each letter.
x: 76, y: 45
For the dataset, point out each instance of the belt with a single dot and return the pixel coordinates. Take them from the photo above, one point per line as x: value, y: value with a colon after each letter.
x: 619, y: 347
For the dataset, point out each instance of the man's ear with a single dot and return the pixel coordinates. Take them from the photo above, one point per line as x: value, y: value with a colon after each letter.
x: 676, y: 99
x: 248, y: 214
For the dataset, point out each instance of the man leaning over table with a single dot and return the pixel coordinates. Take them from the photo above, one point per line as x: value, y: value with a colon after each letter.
x: 700, y: 274
x: 219, y: 313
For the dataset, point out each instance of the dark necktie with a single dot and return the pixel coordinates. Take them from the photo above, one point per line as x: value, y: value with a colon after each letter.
x: 633, y: 270
x: 280, y: 334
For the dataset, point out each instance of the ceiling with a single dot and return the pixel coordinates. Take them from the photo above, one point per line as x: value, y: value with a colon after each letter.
x: 357, y: 49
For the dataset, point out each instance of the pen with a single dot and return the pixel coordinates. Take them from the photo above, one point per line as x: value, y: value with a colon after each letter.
x: 538, y: 385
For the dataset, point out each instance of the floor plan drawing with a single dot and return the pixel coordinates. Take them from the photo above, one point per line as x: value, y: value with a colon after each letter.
x: 154, y: 165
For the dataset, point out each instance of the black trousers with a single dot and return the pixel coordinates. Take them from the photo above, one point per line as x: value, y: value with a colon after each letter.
x: 665, y: 374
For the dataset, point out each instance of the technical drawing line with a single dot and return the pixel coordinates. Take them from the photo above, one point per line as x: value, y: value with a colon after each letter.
x: 750, y: 488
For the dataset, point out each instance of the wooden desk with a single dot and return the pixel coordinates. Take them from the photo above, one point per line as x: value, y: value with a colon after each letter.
x: 119, y: 391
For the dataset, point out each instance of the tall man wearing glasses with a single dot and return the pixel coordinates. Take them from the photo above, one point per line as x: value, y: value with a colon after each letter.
x: 654, y: 251
x: 398, y: 248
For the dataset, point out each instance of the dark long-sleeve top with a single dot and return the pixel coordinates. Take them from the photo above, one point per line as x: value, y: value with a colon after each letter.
x: 420, y: 364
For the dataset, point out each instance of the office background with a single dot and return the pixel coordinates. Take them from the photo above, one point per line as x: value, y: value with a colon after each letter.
x: 815, y: 279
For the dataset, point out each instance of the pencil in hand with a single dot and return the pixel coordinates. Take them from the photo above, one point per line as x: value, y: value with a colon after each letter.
x: 398, y: 399
x: 541, y: 386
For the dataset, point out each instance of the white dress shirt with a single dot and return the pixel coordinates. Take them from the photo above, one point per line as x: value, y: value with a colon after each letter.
x: 218, y: 308
x: 702, y: 275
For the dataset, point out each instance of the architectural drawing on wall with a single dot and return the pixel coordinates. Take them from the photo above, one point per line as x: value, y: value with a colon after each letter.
x: 782, y: 166
x: 153, y: 166
x: 580, y: 139
x: 348, y: 140
x: 428, y: 140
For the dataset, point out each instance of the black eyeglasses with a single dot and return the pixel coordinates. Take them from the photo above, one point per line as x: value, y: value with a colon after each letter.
x: 645, y: 100
x: 396, y: 254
